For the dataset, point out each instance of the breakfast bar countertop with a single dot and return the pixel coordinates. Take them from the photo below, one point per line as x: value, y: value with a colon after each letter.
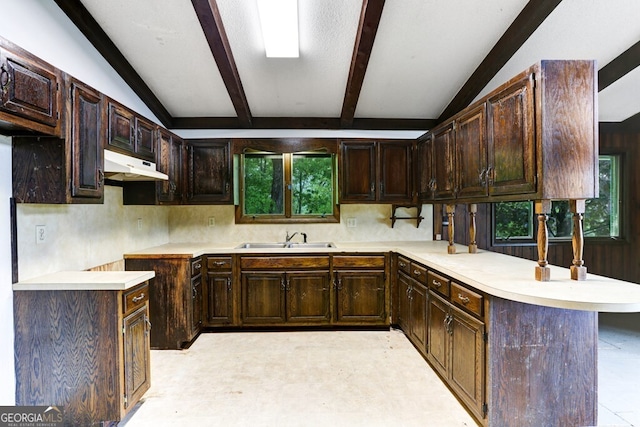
x: 85, y: 281
x: 496, y: 274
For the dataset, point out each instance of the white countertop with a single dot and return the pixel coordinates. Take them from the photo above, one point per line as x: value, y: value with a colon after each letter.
x: 496, y: 274
x: 85, y: 281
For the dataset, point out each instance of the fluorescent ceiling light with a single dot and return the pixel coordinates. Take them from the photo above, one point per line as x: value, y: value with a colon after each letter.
x: 279, y: 21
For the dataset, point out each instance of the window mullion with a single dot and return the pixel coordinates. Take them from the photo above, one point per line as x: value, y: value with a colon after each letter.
x: 288, y: 167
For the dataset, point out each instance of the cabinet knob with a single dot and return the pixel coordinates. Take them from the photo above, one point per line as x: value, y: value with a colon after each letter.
x: 138, y: 298
x: 417, y: 272
x: 464, y: 299
x: 436, y: 283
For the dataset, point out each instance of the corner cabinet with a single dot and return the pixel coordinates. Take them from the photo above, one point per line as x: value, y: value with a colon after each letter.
x: 412, y: 302
x: 376, y: 171
x: 209, y: 171
x: 175, y: 299
x: 100, y: 340
x: 69, y: 170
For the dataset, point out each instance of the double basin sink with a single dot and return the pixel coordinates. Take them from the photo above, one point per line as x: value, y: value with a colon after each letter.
x: 285, y: 245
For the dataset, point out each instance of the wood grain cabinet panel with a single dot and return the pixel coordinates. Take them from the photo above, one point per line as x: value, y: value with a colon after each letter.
x: 395, y: 170
x: 91, y: 354
x: 130, y: 133
x: 30, y: 90
x: 307, y: 297
x: 358, y: 171
x: 443, y: 165
x: 263, y: 298
x: 360, y: 297
x: 471, y: 153
x: 412, y: 310
x: 209, y: 171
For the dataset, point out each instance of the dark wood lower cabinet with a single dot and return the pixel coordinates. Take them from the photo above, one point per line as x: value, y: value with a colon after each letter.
x: 360, y: 297
x: 86, y: 350
x: 263, y: 298
x: 307, y: 297
x: 219, y: 299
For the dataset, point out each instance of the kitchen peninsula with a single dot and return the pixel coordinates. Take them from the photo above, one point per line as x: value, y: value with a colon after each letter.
x: 532, y: 344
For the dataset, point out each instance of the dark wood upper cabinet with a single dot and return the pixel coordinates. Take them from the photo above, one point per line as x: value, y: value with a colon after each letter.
x: 170, y: 160
x: 471, y: 153
x: 209, y: 171
x: 395, y: 171
x: 534, y: 137
x: 358, y: 171
x: 69, y: 170
x: 443, y: 163
x: 87, y: 134
x: 376, y: 171
x: 31, y: 92
x: 130, y: 133
x: 510, y: 123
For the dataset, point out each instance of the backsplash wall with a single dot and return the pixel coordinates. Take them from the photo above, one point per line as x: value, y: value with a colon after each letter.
x: 83, y: 236
x: 191, y: 224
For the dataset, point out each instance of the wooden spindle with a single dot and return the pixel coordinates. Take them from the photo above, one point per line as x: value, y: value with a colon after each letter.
x: 578, y: 270
x: 542, y: 209
x: 451, y: 210
x: 473, y: 245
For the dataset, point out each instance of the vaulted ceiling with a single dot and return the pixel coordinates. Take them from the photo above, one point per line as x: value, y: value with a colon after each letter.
x: 364, y: 64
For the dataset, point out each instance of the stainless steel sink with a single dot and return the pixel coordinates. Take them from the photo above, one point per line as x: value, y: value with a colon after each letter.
x: 281, y: 245
x: 264, y: 245
x: 312, y: 245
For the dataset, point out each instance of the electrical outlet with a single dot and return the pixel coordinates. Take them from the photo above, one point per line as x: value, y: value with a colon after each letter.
x: 41, y: 234
x: 212, y: 221
x: 139, y: 223
x: 352, y: 223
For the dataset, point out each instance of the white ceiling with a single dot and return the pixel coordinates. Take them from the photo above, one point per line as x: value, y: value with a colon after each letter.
x: 424, y: 52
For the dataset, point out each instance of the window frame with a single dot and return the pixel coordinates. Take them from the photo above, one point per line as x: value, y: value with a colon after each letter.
x: 622, y: 216
x: 288, y: 217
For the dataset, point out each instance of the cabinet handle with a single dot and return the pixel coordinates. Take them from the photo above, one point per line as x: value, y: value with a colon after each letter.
x: 372, y: 189
x: 226, y: 187
x: 198, y: 266
x: 339, y: 285
x: 436, y: 283
x: 138, y: 298
x: 194, y: 292
x: 148, y: 323
x: 447, y: 324
x: 100, y: 178
x: 282, y: 284
x: 228, y: 284
x: 483, y: 177
x: 288, y: 285
x: 417, y: 272
x: 5, y: 78
x: 463, y: 299
x: 402, y: 264
x: 491, y: 175
x: 219, y: 263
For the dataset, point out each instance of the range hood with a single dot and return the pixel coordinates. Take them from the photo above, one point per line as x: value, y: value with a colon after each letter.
x: 120, y: 167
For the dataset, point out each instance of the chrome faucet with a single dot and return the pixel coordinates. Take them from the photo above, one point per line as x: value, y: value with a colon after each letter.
x: 288, y: 238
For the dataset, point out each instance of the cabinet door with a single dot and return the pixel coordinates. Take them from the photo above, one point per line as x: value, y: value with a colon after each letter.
x: 170, y: 162
x: 426, y: 181
x: 418, y: 315
x: 196, y: 305
x: 358, y: 172
x: 438, y: 336
x: 468, y: 359
x: 360, y: 297
x: 30, y: 90
x: 443, y: 163
x: 511, y: 139
x: 263, y: 298
x: 219, y: 299
x: 209, y: 168
x: 404, y: 290
x: 121, y: 128
x: 395, y: 171
x: 471, y: 153
x: 307, y: 297
x: 136, y: 355
x: 145, y: 141
x: 87, y: 139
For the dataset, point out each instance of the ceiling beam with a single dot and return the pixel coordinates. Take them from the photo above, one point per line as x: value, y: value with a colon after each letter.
x: 211, y: 22
x: 619, y: 66
x: 302, y: 123
x: 366, y: 35
x: 529, y: 19
x: 88, y: 26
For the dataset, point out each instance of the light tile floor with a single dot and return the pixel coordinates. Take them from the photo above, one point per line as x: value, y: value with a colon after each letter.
x: 340, y: 378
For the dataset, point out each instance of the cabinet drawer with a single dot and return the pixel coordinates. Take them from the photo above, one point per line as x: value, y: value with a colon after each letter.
x: 465, y: 298
x: 358, y: 261
x: 136, y: 297
x: 218, y: 263
x: 247, y: 263
x: 419, y: 273
x: 438, y: 283
x: 196, y: 267
x: 404, y: 265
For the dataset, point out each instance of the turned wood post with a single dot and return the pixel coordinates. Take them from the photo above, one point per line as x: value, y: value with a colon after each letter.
x: 543, y: 272
x: 473, y: 245
x: 451, y: 210
x: 578, y: 270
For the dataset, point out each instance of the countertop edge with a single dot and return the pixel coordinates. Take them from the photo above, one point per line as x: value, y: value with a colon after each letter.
x: 85, y: 281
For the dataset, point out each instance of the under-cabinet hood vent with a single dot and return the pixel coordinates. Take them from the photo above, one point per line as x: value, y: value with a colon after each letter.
x: 120, y: 167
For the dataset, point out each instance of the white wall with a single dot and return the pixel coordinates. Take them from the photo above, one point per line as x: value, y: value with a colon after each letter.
x: 7, y: 385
